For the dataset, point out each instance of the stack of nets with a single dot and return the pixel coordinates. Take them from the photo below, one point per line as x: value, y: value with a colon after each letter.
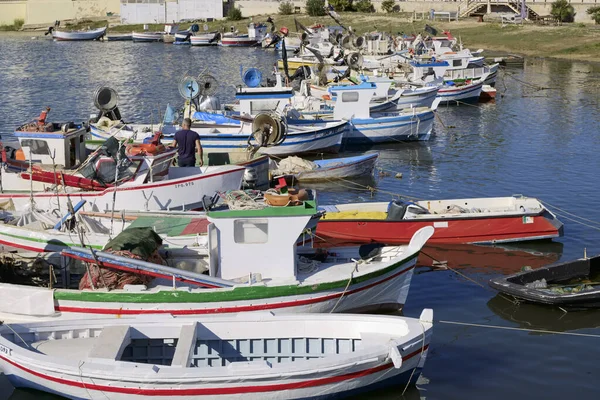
x: 137, y: 243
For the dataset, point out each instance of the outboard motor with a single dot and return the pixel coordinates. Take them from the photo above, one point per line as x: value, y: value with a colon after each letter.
x: 396, y: 210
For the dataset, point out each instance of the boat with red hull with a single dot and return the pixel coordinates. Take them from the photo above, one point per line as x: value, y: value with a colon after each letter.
x: 478, y: 220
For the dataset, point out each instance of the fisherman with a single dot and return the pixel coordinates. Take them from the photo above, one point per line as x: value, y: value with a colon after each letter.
x: 186, y: 142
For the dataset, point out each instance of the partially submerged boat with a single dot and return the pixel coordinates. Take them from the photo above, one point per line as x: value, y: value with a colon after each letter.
x: 476, y: 220
x: 571, y: 284
x: 252, y: 262
x: 261, y: 356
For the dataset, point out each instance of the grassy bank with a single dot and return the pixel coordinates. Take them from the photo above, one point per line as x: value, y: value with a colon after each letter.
x: 572, y: 41
x: 16, y: 25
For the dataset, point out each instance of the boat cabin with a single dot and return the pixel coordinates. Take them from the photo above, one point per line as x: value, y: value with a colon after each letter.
x: 254, y: 100
x: 257, y: 31
x: 270, y: 235
x: 353, y: 101
x: 52, y: 143
x: 428, y: 72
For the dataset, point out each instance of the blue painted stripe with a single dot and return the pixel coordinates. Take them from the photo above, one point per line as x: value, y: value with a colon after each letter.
x: 243, y: 144
x: 362, y: 128
x: 244, y: 96
x: 398, y: 118
x: 458, y: 92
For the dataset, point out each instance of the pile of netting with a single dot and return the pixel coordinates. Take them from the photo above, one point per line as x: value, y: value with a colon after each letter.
x: 137, y: 243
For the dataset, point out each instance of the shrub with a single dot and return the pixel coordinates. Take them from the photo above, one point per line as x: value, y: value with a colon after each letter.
x: 388, y: 5
x: 364, y: 6
x: 562, y: 11
x: 234, y: 14
x: 18, y: 23
x: 594, y: 12
x: 286, y: 8
x: 341, y: 5
x: 315, y: 8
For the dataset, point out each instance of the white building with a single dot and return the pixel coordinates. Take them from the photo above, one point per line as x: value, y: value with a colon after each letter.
x: 161, y: 11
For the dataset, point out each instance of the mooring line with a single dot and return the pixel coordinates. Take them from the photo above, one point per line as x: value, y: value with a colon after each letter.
x: 510, y: 328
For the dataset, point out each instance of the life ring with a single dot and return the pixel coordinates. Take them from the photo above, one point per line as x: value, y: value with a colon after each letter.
x: 142, y: 149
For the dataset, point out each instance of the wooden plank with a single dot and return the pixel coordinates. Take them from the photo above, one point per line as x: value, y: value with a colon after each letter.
x: 111, y: 343
x: 185, y: 346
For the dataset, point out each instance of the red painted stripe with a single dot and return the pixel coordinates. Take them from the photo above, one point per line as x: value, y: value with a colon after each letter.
x: 169, y: 182
x: 233, y: 309
x: 214, y: 390
x: 21, y: 246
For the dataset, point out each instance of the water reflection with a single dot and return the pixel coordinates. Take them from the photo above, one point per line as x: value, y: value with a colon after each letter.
x: 534, y: 316
x: 500, y: 259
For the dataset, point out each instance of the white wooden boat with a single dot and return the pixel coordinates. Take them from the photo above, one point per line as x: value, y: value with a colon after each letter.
x: 119, y: 37
x: 204, y: 39
x: 144, y: 37
x: 261, y: 356
x: 236, y: 275
x: 92, y: 34
x: 352, y: 102
x: 145, y: 181
x: 256, y: 33
x: 328, y: 169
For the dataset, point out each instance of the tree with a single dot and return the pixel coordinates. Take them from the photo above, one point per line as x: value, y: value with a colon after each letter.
x: 388, y: 5
x: 364, y: 6
x: 315, y: 8
x: 341, y: 5
x: 286, y: 8
x: 563, y: 11
x: 594, y: 12
x: 234, y: 14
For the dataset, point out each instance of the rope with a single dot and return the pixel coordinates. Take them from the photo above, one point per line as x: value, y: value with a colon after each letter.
x: 16, y: 334
x: 568, y: 213
x: 510, y: 328
x: 453, y: 270
x: 346, y: 288
x: 420, y: 358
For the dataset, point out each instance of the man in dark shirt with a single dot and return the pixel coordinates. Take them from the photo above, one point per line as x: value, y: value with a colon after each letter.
x: 187, y: 143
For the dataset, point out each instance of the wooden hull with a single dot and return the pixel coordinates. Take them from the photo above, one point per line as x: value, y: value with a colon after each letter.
x: 336, y: 359
x: 478, y: 227
x: 141, y: 37
x: 184, y: 190
x: 339, y: 168
x: 461, y: 94
x: 375, y: 285
x: 390, y: 129
x: 94, y: 34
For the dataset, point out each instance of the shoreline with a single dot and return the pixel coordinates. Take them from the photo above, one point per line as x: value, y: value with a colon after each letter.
x: 570, y: 42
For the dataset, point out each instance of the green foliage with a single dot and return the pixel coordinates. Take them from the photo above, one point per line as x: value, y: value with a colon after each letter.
x: 315, y: 8
x: 388, y: 5
x: 234, y: 14
x: 286, y: 8
x: 594, y: 12
x: 563, y: 11
x: 341, y: 5
x: 16, y: 25
x: 364, y: 6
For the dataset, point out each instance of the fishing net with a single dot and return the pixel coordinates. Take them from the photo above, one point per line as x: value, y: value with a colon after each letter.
x: 136, y: 243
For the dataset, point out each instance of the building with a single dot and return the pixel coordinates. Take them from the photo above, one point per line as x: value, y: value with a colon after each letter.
x: 161, y: 11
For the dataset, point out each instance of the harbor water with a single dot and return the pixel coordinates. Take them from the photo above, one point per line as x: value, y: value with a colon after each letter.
x: 541, y: 139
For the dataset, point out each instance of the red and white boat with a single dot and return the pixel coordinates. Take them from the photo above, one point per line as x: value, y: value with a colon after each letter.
x: 51, y: 169
x: 256, y: 34
x: 477, y: 220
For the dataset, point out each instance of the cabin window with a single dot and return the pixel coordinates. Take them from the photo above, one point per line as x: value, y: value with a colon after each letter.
x: 251, y: 231
x: 456, y: 63
x: 349, y: 97
x: 36, y: 146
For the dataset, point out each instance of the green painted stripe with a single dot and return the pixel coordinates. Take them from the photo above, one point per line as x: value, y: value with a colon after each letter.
x: 219, y: 295
x: 308, y: 208
x: 54, y: 242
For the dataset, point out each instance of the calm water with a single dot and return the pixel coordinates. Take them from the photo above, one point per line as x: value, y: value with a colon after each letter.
x: 542, y: 143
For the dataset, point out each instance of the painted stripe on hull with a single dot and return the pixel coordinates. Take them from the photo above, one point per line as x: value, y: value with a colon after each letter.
x: 215, y: 391
x: 233, y: 309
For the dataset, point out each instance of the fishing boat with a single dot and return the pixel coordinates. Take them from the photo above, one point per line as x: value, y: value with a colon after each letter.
x: 256, y: 33
x: 261, y: 356
x: 233, y: 275
x: 52, y: 168
x: 205, y: 39
x: 571, y: 284
x: 145, y: 37
x: 119, y: 37
x: 297, y: 169
x: 352, y: 103
x: 90, y: 34
x: 476, y: 220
